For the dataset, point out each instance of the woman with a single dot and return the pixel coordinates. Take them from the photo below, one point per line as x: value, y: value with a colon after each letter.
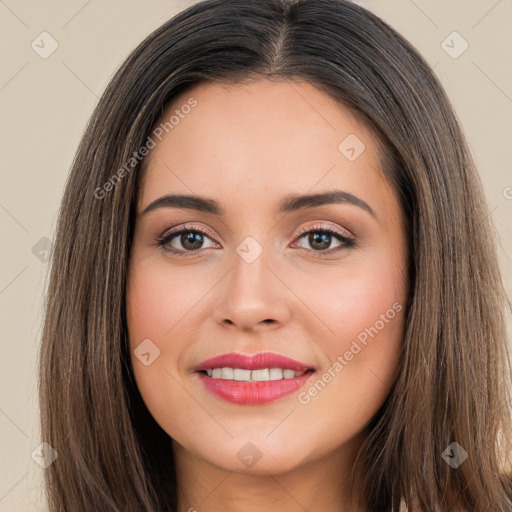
x: 333, y: 337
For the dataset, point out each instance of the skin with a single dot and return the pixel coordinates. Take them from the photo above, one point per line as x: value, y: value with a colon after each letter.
x: 248, y: 146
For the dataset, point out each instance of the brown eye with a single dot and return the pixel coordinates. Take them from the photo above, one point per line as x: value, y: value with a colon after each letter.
x: 184, y: 242
x: 191, y: 240
x: 320, y: 240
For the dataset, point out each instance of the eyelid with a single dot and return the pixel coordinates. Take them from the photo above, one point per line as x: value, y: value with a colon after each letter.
x: 306, y: 229
x: 186, y: 227
x: 328, y: 227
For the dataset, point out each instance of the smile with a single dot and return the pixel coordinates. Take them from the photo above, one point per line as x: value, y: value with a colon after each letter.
x: 252, y: 380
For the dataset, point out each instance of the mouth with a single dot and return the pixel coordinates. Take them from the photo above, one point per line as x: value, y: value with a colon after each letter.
x: 252, y: 380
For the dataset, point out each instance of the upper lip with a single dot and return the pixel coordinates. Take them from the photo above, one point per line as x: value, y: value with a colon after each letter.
x: 253, y: 362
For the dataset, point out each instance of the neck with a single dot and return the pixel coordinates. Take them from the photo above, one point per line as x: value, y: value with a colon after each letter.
x: 318, y: 485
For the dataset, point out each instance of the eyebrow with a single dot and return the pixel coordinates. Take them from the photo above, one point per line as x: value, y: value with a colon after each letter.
x: 289, y: 204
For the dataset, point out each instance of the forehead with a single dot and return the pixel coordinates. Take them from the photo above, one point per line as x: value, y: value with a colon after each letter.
x: 263, y: 137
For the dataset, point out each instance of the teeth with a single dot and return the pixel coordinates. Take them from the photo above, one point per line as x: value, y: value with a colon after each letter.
x: 261, y: 375
x: 241, y: 374
x: 275, y: 374
x: 227, y: 373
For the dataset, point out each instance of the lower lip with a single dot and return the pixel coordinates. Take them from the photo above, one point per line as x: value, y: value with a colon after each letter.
x: 247, y: 393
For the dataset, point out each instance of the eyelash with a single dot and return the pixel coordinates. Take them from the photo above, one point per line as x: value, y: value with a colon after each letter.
x: 347, y: 242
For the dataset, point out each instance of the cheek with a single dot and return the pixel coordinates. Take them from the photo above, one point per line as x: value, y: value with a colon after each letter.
x: 163, y: 305
x: 158, y: 301
x: 155, y: 304
x: 360, y: 368
x: 359, y: 306
x: 363, y: 295
x: 363, y: 308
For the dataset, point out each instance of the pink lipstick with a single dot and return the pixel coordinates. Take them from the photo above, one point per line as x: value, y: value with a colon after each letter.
x: 253, y: 379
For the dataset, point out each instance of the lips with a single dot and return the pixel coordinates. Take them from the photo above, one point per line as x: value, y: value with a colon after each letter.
x: 253, y: 379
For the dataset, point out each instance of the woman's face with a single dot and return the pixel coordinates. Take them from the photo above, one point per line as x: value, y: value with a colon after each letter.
x: 263, y: 269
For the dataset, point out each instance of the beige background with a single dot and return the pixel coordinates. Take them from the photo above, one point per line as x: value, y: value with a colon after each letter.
x: 45, y: 104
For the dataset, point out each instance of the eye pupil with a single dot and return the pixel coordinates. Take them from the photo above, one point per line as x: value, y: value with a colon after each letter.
x: 324, y: 238
x: 192, y: 237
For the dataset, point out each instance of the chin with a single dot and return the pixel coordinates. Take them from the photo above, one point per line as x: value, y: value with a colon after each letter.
x: 257, y: 456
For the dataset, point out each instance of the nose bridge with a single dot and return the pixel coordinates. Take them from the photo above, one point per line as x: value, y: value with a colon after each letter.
x: 250, y: 280
x: 253, y: 294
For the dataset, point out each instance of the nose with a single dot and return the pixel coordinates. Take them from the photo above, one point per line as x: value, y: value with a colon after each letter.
x: 252, y: 297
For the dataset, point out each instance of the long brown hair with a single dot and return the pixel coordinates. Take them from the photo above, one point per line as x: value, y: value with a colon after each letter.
x: 453, y: 380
